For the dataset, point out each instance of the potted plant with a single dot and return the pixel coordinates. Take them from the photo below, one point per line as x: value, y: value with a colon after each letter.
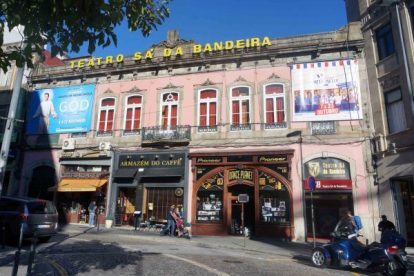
x: 109, y: 220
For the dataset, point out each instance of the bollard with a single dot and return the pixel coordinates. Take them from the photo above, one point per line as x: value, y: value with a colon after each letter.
x: 32, y: 253
x: 17, y: 254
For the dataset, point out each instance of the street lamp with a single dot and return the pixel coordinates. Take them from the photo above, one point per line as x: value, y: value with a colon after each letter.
x: 294, y: 134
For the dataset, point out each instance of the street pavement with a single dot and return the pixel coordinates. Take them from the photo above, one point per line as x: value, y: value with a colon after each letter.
x: 80, y: 250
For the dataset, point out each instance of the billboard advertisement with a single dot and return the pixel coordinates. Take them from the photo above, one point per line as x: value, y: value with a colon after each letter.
x: 326, y: 91
x: 60, y: 110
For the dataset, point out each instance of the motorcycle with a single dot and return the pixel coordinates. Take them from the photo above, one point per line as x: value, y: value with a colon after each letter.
x: 345, y: 250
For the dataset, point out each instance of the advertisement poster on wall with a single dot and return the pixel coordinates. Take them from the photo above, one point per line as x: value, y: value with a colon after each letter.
x: 326, y: 91
x: 60, y: 110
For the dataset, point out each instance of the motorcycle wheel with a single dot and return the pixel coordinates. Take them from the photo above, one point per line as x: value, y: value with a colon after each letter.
x: 393, y: 269
x: 319, y: 258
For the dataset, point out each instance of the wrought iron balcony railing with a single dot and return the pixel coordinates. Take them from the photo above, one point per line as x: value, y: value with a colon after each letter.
x: 166, y: 135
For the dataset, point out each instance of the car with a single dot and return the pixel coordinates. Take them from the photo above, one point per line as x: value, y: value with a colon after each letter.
x: 38, y: 216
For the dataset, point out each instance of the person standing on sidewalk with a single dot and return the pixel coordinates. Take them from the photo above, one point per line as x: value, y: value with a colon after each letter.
x: 92, y: 210
x: 171, y: 221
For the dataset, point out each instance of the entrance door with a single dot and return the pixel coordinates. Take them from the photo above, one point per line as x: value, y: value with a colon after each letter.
x: 241, y: 214
x: 125, y: 206
x: 405, y: 207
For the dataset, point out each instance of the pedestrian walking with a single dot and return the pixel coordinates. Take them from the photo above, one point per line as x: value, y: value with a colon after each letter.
x: 92, y: 209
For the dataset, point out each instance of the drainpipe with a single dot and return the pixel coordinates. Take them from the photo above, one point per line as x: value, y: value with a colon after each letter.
x: 404, y: 54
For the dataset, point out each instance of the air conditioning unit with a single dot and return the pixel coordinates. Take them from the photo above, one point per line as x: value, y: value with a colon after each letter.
x: 104, y: 146
x: 68, y: 144
x: 379, y: 143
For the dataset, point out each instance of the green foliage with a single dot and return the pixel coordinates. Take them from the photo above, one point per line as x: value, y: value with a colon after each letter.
x: 66, y: 24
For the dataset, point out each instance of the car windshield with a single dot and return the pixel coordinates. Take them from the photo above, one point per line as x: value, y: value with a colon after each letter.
x: 41, y: 207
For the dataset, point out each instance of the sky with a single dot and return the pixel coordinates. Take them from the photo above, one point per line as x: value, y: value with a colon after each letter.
x: 220, y: 20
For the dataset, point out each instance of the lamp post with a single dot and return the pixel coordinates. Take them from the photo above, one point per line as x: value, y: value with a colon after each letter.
x: 294, y: 134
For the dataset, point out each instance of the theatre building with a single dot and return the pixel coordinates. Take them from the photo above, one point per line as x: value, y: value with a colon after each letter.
x: 230, y: 130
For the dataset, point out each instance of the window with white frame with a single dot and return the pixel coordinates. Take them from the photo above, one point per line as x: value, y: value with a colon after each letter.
x: 169, y: 110
x: 106, y: 116
x: 240, y: 108
x: 207, y: 119
x: 132, y: 117
x: 395, y: 111
x: 275, y: 112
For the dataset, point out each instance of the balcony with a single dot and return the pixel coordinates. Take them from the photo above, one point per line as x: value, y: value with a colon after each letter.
x: 85, y: 174
x: 171, y: 135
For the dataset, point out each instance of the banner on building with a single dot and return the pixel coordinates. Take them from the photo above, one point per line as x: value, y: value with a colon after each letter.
x: 60, y: 110
x: 326, y: 91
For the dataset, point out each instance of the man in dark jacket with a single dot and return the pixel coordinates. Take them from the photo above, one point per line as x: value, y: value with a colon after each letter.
x: 171, y: 221
x: 385, y: 224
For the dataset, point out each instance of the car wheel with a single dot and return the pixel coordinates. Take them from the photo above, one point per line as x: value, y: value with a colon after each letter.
x: 319, y: 259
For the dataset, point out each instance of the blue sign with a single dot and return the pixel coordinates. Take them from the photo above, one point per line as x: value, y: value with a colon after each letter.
x: 312, y: 183
x: 61, y: 110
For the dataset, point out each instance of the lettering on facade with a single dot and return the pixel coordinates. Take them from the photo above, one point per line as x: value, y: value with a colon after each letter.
x: 209, y: 160
x: 241, y: 174
x: 327, y: 168
x: 147, y: 161
x: 177, y: 51
x: 272, y: 159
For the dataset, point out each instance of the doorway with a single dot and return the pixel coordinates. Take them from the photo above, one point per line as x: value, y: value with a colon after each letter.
x: 241, y: 215
x: 125, y: 206
x: 404, y: 196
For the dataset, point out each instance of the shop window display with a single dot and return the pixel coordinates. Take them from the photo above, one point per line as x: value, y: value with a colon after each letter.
x: 210, y: 204
x: 274, y: 202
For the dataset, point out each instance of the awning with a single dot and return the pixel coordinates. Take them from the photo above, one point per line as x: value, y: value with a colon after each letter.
x: 125, y: 173
x: 78, y: 185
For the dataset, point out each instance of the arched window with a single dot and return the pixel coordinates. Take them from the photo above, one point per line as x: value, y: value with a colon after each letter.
x: 169, y: 110
x: 106, y: 116
x: 274, y: 200
x: 240, y: 108
x: 275, y: 111
x: 133, y: 111
x: 210, y: 204
x: 207, y: 120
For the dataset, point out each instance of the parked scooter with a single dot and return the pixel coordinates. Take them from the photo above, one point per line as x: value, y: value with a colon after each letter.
x: 345, y: 250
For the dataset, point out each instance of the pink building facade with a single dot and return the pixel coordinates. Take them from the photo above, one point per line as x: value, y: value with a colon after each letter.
x: 233, y: 141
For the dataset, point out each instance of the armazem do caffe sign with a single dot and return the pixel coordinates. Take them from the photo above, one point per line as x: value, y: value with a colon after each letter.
x: 177, y: 51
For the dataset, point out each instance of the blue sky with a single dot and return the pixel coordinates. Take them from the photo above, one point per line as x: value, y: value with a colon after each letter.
x: 220, y: 20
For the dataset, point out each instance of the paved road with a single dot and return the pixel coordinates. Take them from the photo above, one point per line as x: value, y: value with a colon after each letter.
x: 80, y: 251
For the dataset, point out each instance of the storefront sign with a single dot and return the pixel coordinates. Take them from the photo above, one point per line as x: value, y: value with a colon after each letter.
x: 331, y: 184
x: 173, y: 160
x: 241, y: 175
x: 327, y: 168
x: 325, y: 91
x: 61, y: 110
x: 272, y: 158
x: 209, y: 160
x: 177, y: 51
x: 329, y: 174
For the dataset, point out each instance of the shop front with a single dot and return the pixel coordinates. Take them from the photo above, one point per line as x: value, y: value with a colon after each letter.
x: 332, y: 195
x: 234, y: 192
x: 148, y: 182
x: 81, y: 182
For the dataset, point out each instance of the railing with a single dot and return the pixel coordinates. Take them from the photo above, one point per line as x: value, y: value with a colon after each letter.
x: 85, y: 174
x: 170, y: 134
